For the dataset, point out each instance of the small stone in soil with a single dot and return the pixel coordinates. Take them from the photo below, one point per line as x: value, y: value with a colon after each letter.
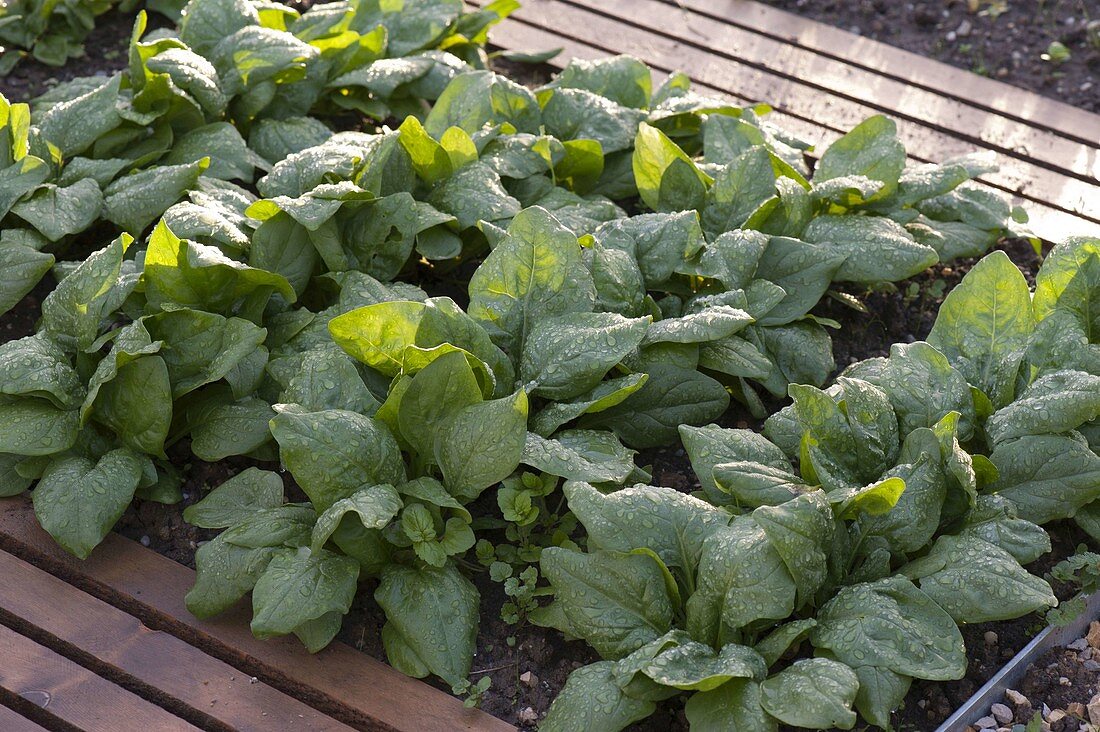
x: 1078, y: 645
x: 1015, y: 697
x: 527, y: 716
x: 1094, y: 710
x: 990, y: 638
x: 145, y: 541
x: 1064, y: 681
x: 529, y: 679
x: 1093, y: 637
x: 986, y: 723
x: 1001, y: 713
x: 1091, y: 665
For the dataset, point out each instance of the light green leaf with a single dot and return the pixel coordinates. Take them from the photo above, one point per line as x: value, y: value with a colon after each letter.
x: 984, y: 324
x: 535, y: 272
x: 814, y: 692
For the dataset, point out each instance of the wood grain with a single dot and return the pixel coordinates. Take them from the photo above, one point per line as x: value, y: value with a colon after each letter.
x: 339, y: 681
x: 75, y: 695
x: 157, y: 660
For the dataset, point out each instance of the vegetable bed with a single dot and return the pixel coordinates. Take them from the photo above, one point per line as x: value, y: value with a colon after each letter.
x: 473, y: 366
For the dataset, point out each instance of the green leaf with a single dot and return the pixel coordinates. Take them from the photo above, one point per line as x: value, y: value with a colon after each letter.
x: 230, y: 158
x: 478, y: 97
x: 206, y: 23
x: 334, y: 453
x: 592, y: 701
x: 229, y: 565
x: 1056, y: 402
x: 300, y: 586
x: 1047, y: 477
x: 881, y: 691
x: 223, y: 429
x: 36, y: 427
x: 137, y: 404
x: 741, y: 579
x: 374, y: 507
x: 996, y: 520
x: 535, y: 272
x: 667, y: 178
x: 194, y: 275
x: 603, y: 396
x: 984, y: 324
x: 236, y: 499
x: 622, y: 79
x: 893, y: 625
x: 814, y: 692
x: 924, y: 388
x: 739, y: 189
x: 78, y: 501
x: 21, y: 268
x: 877, y: 249
x: 56, y: 212
x: 73, y: 311
x: 734, y: 705
x: 978, y: 582
x: 481, y: 444
x: 712, y: 445
x: 870, y: 149
x: 616, y: 602
x: 36, y: 366
x: 695, y: 666
x: 591, y: 455
x: 435, y: 393
x: 803, y: 270
x: 136, y: 200
x: 432, y: 614
x: 568, y: 355
x: 672, y: 396
x: 77, y: 122
x: 202, y: 347
x: 670, y: 523
x: 1069, y: 280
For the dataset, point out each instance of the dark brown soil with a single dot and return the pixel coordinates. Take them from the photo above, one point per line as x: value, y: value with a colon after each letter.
x: 104, y: 53
x: 1004, y: 40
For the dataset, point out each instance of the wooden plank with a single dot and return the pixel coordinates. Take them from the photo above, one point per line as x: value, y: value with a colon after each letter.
x: 897, y: 63
x: 154, y: 659
x: 513, y: 34
x: 76, y: 695
x: 796, y: 98
x: 13, y: 721
x: 837, y: 77
x: 340, y: 681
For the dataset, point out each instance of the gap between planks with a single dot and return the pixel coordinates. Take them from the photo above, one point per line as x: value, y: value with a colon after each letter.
x: 339, y: 681
x: 897, y: 63
x: 155, y: 665
x: 76, y: 696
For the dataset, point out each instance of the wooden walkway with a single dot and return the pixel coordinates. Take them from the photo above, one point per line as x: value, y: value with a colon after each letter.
x: 822, y: 81
x: 106, y: 645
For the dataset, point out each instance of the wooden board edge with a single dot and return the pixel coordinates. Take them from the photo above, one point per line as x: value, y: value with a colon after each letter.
x: 340, y: 681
